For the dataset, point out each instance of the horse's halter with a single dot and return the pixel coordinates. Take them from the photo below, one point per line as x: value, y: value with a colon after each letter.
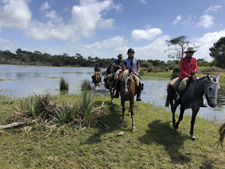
x: 207, y: 88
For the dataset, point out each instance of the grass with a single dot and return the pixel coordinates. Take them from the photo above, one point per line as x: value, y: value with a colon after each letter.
x: 155, y: 144
x: 63, y: 84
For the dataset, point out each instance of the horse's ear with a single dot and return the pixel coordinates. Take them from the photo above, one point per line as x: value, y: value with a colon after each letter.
x: 130, y: 70
x: 208, y: 77
x: 217, y: 78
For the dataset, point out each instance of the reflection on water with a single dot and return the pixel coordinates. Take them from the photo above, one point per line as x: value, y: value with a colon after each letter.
x: 23, y: 81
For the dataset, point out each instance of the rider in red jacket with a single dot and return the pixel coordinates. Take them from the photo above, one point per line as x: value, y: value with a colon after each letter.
x: 188, y: 68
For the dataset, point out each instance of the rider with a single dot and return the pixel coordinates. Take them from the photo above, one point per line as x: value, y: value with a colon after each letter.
x: 109, y: 69
x: 131, y: 63
x: 108, y: 72
x: 188, y: 68
x: 118, y: 64
x: 96, y: 70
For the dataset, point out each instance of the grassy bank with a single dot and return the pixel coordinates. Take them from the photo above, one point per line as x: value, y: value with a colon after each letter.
x: 155, y: 144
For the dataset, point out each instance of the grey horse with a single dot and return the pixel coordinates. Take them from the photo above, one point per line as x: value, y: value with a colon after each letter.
x: 192, y: 97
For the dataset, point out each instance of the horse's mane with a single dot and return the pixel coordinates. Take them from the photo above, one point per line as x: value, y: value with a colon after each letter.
x: 125, y: 74
x: 202, y: 78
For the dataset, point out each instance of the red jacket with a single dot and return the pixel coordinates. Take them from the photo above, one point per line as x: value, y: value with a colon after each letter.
x: 186, y: 68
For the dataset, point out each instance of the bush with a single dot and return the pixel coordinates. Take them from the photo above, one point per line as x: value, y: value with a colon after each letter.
x: 84, y: 107
x: 86, y: 86
x: 146, y: 64
x: 63, y: 85
x: 141, y: 73
x: 176, y: 72
x: 150, y: 69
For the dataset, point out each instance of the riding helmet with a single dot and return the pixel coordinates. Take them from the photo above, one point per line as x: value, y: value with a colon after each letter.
x: 130, y: 50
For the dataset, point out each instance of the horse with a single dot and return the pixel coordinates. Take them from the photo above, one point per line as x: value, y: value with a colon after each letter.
x: 110, y: 85
x: 221, y: 134
x: 127, y: 93
x: 192, y: 98
x: 96, y: 79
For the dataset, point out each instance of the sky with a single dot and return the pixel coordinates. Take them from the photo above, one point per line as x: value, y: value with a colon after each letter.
x: 105, y: 28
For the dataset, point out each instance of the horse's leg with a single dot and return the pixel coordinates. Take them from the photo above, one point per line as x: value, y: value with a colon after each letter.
x: 111, y: 94
x: 132, y: 114
x: 180, y: 117
x: 123, y: 110
x: 173, y: 109
x: 194, y: 113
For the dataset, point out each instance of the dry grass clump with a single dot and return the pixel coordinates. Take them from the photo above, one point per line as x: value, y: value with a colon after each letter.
x: 42, y: 109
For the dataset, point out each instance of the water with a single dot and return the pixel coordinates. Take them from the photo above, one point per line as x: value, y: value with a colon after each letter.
x: 23, y: 81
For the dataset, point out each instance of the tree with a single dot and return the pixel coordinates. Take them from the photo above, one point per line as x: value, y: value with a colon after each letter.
x: 218, y: 52
x: 176, y: 47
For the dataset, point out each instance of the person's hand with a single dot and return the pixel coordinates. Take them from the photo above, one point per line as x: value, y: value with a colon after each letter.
x: 137, y: 73
x: 120, y: 67
x: 193, y: 72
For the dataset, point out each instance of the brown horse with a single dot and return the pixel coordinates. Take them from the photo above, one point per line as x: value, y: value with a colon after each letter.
x: 127, y: 93
x: 110, y: 85
x: 222, y: 134
x: 96, y: 79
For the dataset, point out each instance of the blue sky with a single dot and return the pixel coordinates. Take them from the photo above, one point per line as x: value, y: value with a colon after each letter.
x: 105, y: 28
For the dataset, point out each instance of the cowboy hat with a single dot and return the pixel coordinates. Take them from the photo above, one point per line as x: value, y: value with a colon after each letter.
x: 190, y: 49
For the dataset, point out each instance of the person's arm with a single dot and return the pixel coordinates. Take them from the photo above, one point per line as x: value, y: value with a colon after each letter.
x: 182, y: 71
x: 196, y: 66
x: 138, y: 67
x: 115, y: 65
x: 124, y: 65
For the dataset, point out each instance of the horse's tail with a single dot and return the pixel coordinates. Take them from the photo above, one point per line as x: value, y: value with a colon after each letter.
x: 222, y: 134
x: 168, y: 97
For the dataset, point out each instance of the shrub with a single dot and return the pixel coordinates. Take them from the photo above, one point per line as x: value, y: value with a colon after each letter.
x: 150, y: 69
x: 141, y: 73
x: 63, y: 84
x: 85, y: 86
x: 176, y: 72
x: 84, y: 106
x: 146, y: 64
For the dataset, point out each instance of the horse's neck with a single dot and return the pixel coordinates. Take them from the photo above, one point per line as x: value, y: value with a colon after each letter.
x: 200, y: 87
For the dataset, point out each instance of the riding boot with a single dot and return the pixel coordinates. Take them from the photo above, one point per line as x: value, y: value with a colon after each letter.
x: 138, y: 93
x: 117, y: 89
x: 202, y: 103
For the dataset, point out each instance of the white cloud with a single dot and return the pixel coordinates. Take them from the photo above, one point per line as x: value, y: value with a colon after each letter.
x: 143, y: 1
x: 206, y: 42
x: 15, y: 14
x: 89, y: 15
x: 112, y: 43
x: 148, y: 34
x: 7, y: 45
x: 213, y: 8
x: 42, y: 31
x: 154, y: 50
x: 45, y: 6
x: 206, y: 21
x: 178, y: 18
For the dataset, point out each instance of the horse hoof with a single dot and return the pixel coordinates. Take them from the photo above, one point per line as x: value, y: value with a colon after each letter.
x: 193, y: 138
x: 133, y: 130
x: 122, y: 121
x: 128, y: 114
x: 175, y: 127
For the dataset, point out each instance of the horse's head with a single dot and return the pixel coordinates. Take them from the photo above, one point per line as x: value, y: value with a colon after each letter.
x: 211, y: 90
x: 127, y: 78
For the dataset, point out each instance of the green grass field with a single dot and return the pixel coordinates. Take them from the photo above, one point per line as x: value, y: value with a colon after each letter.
x: 155, y: 144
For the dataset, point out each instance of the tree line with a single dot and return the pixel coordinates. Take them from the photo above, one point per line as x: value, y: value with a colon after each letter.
x: 175, y: 50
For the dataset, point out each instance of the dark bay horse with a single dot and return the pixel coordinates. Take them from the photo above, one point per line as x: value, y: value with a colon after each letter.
x: 110, y: 85
x: 127, y: 93
x: 192, y: 96
x: 96, y: 79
